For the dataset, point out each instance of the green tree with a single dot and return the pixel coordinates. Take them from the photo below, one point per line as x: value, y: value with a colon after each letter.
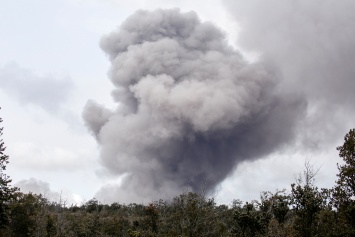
x: 307, y: 202
x: 250, y: 219
x: 6, y: 191
x: 192, y: 214
x: 344, y: 191
x: 152, y: 214
x: 280, y: 206
x: 28, y: 217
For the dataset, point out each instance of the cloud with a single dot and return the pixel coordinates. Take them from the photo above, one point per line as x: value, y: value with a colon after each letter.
x: 189, y: 107
x: 47, y: 92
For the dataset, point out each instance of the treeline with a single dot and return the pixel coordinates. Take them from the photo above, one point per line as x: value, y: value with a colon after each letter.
x: 304, y: 211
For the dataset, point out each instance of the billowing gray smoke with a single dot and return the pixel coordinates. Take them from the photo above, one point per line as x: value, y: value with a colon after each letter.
x: 189, y: 108
x: 312, y: 42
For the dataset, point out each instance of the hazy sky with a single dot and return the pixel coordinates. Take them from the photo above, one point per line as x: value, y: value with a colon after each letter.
x: 51, y: 65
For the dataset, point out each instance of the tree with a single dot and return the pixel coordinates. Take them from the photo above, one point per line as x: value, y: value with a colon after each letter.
x: 344, y: 191
x: 345, y: 186
x: 28, y: 215
x: 192, y: 214
x: 6, y: 191
x: 152, y: 217
x: 307, y: 201
x: 251, y: 219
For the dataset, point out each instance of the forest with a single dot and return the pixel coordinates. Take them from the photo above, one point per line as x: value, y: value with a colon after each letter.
x: 305, y: 210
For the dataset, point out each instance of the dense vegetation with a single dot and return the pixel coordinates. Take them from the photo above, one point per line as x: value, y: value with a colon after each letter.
x: 305, y: 211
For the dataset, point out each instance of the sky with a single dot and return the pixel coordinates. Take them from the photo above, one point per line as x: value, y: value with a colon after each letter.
x: 61, y: 68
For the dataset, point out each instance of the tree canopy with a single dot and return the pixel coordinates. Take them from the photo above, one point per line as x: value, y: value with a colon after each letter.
x: 6, y: 191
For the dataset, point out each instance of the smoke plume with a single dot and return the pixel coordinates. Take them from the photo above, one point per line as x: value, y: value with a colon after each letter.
x: 312, y: 42
x: 189, y: 107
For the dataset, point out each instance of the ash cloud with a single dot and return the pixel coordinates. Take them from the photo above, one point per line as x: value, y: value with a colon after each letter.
x: 189, y: 107
x: 312, y: 43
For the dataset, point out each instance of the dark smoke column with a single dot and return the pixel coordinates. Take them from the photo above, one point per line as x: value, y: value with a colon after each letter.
x: 189, y: 108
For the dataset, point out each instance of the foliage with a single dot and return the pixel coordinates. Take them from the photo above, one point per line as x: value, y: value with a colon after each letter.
x: 192, y: 214
x: 249, y: 220
x: 344, y: 191
x: 307, y: 202
x: 6, y: 191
